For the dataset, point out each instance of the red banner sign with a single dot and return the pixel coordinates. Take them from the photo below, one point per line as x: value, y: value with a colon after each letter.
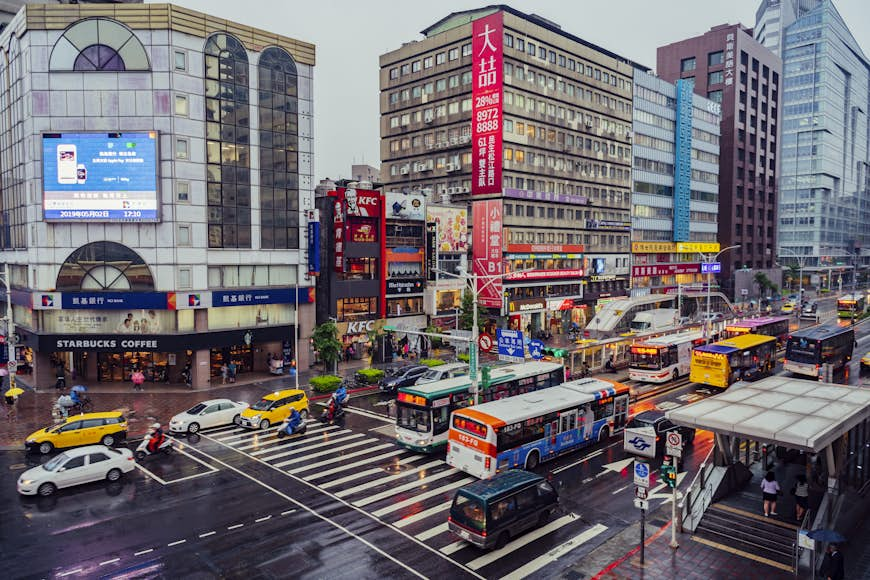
x: 546, y: 248
x: 487, y: 251
x: 361, y: 202
x: 486, y: 103
x: 664, y: 270
x: 338, y: 230
x: 541, y: 274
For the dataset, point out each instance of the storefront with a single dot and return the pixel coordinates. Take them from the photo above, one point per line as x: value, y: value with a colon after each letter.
x: 358, y: 334
x: 528, y: 315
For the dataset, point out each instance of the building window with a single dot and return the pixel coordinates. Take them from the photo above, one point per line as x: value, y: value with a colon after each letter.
x: 183, y: 235
x: 453, y: 54
x: 180, y: 60
x: 440, y: 58
x: 227, y: 115
x: 181, y: 105
x: 427, y: 62
x: 182, y: 191
x: 182, y: 148
x: 394, y: 73
x: 715, y: 58
x: 184, y: 279
x: 714, y: 78
x: 98, y: 44
x: 687, y: 64
x: 355, y: 308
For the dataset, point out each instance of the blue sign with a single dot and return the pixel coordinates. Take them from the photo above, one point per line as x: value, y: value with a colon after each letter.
x: 683, y: 161
x: 248, y: 297
x: 510, y: 345
x: 114, y: 300
x: 314, y: 248
x: 536, y: 349
x: 641, y: 469
x: 711, y: 267
x: 100, y: 177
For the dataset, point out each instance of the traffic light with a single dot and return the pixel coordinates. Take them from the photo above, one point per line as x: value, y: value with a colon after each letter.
x: 669, y: 472
x: 485, y: 376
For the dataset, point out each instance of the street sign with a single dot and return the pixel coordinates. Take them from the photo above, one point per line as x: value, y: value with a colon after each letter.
x: 640, y: 492
x: 711, y: 267
x: 641, y: 504
x: 674, y: 444
x: 510, y: 345
x: 484, y: 341
x: 12, y: 365
x: 472, y: 360
x: 536, y: 349
x: 640, y: 441
x: 641, y: 473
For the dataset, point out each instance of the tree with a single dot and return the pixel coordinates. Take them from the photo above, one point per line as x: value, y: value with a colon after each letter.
x: 466, y: 314
x: 326, y: 343
x: 762, y: 281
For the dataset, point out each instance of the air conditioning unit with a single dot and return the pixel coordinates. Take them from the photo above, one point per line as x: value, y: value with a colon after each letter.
x: 454, y: 140
x: 450, y: 167
x: 418, y: 167
x: 465, y: 189
x: 428, y: 118
x: 629, y: 135
x: 444, y: 197
x: 426, y: 165
x: 588, y: 124
x: 404, y: 170
x: 464, y: 138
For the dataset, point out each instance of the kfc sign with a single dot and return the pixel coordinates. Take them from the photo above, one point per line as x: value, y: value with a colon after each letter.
x: 361, y: 202
x: 487, y: 251
x: 486, y: 104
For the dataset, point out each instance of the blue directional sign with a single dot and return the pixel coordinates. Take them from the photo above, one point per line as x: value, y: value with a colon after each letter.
x: 510, y: 345
x: 641, y: 473
x: 711, y: 267
x: 536, y: 349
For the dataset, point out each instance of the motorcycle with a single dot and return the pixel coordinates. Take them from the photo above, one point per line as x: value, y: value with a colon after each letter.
x: 286, y: 431
x: 332, y: 414
x: 142, y: 451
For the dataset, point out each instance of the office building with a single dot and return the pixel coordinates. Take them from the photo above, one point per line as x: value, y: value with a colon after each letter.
x: 675, y: 197
x: 727, y: 65
x: 151, y: 199
x: 545, y: 167
x: 774, y: 16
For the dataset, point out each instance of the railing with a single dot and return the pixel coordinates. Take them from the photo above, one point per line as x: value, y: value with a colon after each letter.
x: 699, y: 489
x: 796, y: 548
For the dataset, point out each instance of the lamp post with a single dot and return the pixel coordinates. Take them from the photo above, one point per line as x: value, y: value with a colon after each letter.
x: 800, y: 260
x: 10, y: 329
x: 710, y: 283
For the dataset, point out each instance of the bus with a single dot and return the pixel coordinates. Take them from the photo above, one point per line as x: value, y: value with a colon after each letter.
x: 851, y: 306
x: 723, y: 363
x: 765, y: 325
x: 808, y: 349
x: 525, y: 430
x: 664, y: 358
x: 423, y: 411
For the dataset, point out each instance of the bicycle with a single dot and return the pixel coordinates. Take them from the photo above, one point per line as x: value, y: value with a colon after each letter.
x: 83, y: 406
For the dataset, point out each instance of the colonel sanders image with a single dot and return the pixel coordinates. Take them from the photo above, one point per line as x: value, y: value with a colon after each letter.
x: 352, y: 207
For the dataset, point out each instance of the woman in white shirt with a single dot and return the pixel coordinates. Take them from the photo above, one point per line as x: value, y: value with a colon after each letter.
x: 769, y: 491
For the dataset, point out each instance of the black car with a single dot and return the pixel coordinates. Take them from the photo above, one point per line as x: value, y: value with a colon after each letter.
x: 402, y: 377
x: 658, y: 421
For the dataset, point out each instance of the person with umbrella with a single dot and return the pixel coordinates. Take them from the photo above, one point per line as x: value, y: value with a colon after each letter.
x: 11, y: 397
x: 138, y: 378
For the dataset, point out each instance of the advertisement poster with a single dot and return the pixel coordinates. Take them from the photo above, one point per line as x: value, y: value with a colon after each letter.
x: 487, y: 251
x: 361, y: 202
x: 364, y: 231
x: 100, y: 177
x: 406, y: 206
x: 313, y: 217
x: 486, y: 104
x: 138, y: 321
x: 452, y: 227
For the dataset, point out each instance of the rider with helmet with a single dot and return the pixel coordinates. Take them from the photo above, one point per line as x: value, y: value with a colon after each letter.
x: 340, y: 395
x: 157, y: 437
x: 293, y: 422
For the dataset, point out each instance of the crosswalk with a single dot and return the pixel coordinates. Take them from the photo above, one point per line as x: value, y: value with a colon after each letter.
x: 408, y: 491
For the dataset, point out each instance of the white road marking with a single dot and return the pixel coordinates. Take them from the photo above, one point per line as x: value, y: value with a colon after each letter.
x: 295, y: 442
x: 406, y: 521
x: 263, y: 519
x: 143, y: 552
x: 399, y: 489
x: 246, y: 433
x: 521, y: 541
x: 151, y: 475
x: 366, y: 472
x: 112, y: 561
x: 587, y: 480
x: 346, y: 466
x: 369, y: 414
x: 322, y: 453
x: 235, y: 527
x: 288, y: 512
x: 376, y: 482
x: 432, y: 532
x: 624, y: 487
x: 454, y: 547
x: 579, y: 461
x: 422, y: 496
x: 556, y: 553
x: 302, y: 448
x: 207, y: 534
x: 273, y: 438
x: 170, y: 544
x: 69, y: 572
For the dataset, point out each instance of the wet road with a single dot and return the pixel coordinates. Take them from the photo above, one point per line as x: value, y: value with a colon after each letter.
x: 343, y: 501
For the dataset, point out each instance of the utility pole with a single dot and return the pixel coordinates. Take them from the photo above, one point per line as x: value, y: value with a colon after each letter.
x: 296, y: 334
x: 10, y: 329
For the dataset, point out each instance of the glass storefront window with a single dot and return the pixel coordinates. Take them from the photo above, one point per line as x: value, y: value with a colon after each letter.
x: 355, y: 308
x: 249, y: 316
x: 404, y: 306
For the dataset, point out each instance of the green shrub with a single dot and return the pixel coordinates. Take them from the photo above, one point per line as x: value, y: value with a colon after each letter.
x: 325, y: 384
x: 369, y: 376
x: 463, y: 357
x: 431, y: 362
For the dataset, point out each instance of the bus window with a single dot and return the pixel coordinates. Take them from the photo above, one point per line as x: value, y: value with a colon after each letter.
x: 509, y: 436
x: 603, y: 411
x: 413, y: 419
x: 440, y: 420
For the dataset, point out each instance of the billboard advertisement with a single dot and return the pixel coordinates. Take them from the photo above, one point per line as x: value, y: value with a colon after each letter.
x: 313, y: 217
x: 338, y: 230
x: 361, y: 202
x: 683, y: 160
x: 487, y: 251
x: 364, y: 231
x: 100, y: 177
x: 451, y: 224
x: 486, y: 104
x: 406, y: 206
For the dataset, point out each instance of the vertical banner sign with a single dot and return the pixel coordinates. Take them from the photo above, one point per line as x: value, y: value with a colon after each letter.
x: 683, y: 161
x: 487, y: 251
x: 313, y: 216
x: 338, y: 230
x: 431, y: 250
x: 486, y: 103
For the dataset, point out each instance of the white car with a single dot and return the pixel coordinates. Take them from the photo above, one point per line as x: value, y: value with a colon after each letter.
x: 213, y: 413
x: 77, y: 466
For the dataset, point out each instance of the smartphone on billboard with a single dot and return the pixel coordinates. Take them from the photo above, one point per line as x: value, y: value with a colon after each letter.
x: 67, y: 168
x: 81, y: 174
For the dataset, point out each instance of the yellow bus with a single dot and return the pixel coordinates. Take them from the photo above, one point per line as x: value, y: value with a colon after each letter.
x: 723, y: 363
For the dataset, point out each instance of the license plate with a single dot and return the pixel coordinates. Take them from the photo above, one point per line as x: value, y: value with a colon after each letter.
x: 464, y: 535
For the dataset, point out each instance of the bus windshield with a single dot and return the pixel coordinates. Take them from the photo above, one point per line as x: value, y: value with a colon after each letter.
x: 802, y: 350
x: 419, y: 420
x: 645, y: 358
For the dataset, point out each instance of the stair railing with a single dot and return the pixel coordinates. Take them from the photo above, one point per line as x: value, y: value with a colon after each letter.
x: 699, y: 489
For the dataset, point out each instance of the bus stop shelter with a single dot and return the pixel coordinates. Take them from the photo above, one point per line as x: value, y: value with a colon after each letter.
x: 799, y: 414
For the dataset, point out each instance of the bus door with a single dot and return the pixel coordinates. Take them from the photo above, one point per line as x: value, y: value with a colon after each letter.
x: 620, y: 412
x: 551, y: 430
x: 568, y: 427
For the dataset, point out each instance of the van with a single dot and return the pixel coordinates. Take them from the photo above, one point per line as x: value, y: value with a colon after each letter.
x: 655, y: 320
x: 442, y: 372
x: 488, y: 513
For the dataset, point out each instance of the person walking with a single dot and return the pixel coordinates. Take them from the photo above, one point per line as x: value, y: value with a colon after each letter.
x: 837, y: 569
x: 10, y: 406
x: 769, y: 492
x: 60, y: 376
x: 138, y: 378
x: 4, y: 373
x: 231, y: 368
x: 801, y: 493
x: 224, y: 373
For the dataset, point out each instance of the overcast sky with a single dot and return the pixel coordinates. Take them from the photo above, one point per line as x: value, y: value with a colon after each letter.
x: 350, y: 35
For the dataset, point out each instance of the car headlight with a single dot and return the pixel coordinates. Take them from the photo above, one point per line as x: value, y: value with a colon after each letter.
x: 30, y: 441
x: 26, y: 481
x: 255, y: 418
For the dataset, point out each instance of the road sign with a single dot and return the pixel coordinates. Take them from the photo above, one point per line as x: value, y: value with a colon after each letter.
x: 536, y: 349
x: 641, y: 473
x: 641, y: 504
x: 674, y: 444
x: 12, y: 365
x: 484, y: 341
x: 640, y: 441
x: 640, y: 492
x: 510, y: 345
x: 711, y: 267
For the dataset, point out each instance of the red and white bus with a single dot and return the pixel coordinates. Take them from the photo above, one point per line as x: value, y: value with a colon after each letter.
x: 524, y: 430
x: 664, y: 358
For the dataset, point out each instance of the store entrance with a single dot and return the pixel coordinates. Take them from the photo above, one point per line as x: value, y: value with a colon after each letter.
x: 118, y: 366
x: 243, y: 355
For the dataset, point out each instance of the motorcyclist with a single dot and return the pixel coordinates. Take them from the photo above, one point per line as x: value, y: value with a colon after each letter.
x: 293, y: 422
x: 332, y: 410
x: 340, y: 395
x: 157, y: 437
x: 76, y: 397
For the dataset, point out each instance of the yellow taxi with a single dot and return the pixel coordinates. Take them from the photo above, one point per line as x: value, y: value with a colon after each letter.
x: 788, y: 307
x: 85, y: 429
x: 274, y: 408
x: 865, y: 362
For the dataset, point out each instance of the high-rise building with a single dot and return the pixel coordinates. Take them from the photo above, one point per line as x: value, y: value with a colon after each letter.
x: 154, y: 164
x: 675, y: 199
x: 774, y: 16
x: 825, y: 186
x: 730, y: 67
x: 532, y: 126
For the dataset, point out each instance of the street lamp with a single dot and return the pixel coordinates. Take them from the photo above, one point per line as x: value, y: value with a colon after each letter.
x: 710, y: 282
x: 800, y: 259
x: 10, y: 329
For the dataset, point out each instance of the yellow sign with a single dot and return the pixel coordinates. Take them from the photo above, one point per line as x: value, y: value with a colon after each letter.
x: 695, y: 247
x: 653, y: 247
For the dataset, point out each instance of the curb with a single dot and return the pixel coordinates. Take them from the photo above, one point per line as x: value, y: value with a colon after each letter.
x: 349, y: 392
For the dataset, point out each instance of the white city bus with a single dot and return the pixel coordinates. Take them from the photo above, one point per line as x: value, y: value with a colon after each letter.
x: 423, y: 411
x: 665, y: 358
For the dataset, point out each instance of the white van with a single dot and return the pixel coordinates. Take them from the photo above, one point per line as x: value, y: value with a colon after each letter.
x: 442, y: 372
x: 655, y: 320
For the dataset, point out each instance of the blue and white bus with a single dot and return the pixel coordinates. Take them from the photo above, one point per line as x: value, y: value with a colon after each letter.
x: 525, y: 430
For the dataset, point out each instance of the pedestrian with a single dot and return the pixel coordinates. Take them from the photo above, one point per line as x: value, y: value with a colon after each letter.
x: 231, y: 371
x: 10, y: 406
x: 391, y: 408
x: 769, y: 492
x: 611, y: 368
x: 60, y: 376
x: 584, y: 370
x: 836, y: 569
x: 224, y: 373
x: 138, y: 378
x: 4, y: 372
x: 801, y: 493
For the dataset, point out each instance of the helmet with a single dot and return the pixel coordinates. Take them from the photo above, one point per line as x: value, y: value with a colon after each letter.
x: 155, y: 426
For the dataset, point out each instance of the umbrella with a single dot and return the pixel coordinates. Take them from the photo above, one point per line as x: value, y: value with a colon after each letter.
x: 13, y: 392
x: 79, y: 388
x: 827, y: 536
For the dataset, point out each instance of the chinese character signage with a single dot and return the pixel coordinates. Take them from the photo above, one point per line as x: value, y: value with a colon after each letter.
x: 487, y: 251
x: 115, y: 300
x: 363, y: 231
x: 486, y: 104
x: 683, y: 161
x: 698, y: 247
x: 247, y: 297
x: 664, y: 270
x: 338, y: 230
x: 729, y: 59
x: 313, y: 216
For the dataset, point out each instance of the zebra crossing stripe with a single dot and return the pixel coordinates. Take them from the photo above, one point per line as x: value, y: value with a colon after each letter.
x: 422, y: 497
x: 346, y: 466
x: 531, y: 567
x: 521, y: 541
x: 387, y: 479
x: 303, y: 446
x: 327, y: 452
x: 408, y: 520
x: 244, y: 434
x: 273, y: 438
x: 432, y: 532
x: 366, y: 472
x: 295, y: 442
x: 396, y: 490
x: 454, y: 547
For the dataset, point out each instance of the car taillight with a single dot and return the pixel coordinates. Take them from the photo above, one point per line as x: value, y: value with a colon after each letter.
x: 448, y: 447
x: 487, y: 463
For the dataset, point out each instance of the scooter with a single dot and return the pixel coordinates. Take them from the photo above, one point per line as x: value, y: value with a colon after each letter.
x: 286, y: 431
x: 332, y: 417
x: 142, y: 451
